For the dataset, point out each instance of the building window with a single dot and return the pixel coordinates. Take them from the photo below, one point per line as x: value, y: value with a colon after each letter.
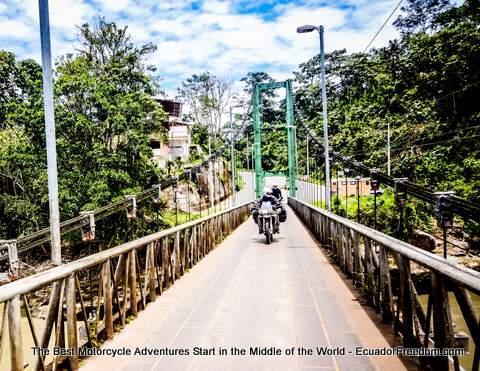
x: 154, y: 144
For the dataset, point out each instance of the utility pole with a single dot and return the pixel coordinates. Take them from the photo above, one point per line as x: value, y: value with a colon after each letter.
x: 388, y: 148
x: 253, y: 171
x: 232, y: 157
x: 308, y: 158
x: 248, y: 166
x: 257, y: 142
x: 346, y: 171
x: 325, y: 123
x: 296, y: 154
x: 358, y: 178
x: 50, y: 133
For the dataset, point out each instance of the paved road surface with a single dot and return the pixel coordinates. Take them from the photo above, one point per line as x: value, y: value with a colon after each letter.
x: 245, y: 293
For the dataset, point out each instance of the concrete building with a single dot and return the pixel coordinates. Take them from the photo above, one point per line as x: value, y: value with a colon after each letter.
x: 348, y: 186
x: 179, y: 136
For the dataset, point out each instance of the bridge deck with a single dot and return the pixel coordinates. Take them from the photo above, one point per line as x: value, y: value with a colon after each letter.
x: 245, y: 294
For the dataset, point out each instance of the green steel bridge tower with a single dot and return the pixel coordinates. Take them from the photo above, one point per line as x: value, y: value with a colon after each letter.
x: 291, y: 136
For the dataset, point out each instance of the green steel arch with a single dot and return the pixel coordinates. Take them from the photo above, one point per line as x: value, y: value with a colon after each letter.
x: 291, y: 136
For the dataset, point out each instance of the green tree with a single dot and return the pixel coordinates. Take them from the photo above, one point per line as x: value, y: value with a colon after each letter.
x: 421, y: 15
x: 106, y: 113
x: 23, y: 199
x: 425, y: 85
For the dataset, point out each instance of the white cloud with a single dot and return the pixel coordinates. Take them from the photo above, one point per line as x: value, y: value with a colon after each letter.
x: 69, y: 13
x: 113, y: 5
x: 211, y: 37
x: 64, y: 14
x: 217, y: 7
x: 14, y: 29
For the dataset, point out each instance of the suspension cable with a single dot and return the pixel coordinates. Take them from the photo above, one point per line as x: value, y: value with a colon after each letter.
x: 457, y: 205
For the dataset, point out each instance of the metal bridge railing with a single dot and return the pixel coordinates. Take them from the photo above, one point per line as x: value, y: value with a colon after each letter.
x: 42, y: 236
x: 366, y: 256
x: 102, y: 290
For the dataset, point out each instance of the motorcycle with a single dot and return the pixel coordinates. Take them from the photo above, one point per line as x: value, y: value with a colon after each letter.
x: 268, y: 221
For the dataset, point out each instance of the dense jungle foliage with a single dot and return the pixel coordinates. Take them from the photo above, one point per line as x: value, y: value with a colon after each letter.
x: 425, y: 84
x: 105, y: 112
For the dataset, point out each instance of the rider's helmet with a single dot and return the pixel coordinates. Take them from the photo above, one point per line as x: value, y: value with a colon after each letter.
x: 267, y: 191
x: 274, y: 186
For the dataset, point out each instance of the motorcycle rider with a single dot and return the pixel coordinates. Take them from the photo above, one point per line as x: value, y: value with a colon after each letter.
x: 277, y: 192
x: 267, y: 197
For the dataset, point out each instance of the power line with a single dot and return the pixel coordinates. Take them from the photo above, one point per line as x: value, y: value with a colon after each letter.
x: 420, y: 144
x: 383, y: 25
x: 457, y: 205
x: 42, y: 236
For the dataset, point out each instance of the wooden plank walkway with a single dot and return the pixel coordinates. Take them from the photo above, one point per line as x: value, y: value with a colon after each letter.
x: 247, y: 294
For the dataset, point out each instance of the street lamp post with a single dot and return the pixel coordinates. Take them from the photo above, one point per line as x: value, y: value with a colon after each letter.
x: 357, y: 179
x: 308, y: 158
x: 388, y: 150
x: 305, y: 29
x: 232, y: 158
x: 50, y: 132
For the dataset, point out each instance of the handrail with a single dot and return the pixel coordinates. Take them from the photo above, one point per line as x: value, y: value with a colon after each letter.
x: 43, y: 235
x: 380, y: 265
x: 460, y: 206
x: 30, y: 283
x: 462, y: 275
x: 124, y: 280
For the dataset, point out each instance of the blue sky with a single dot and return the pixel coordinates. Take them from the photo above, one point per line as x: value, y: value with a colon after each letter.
x: 228, y: 38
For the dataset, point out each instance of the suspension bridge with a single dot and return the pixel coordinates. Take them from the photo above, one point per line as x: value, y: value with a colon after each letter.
x: 208, y: 293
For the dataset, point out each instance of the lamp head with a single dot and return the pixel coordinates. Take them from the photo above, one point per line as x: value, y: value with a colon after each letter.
x: 306, y: 28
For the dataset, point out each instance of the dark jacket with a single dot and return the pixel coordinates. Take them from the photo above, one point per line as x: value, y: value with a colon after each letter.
x: 277, y: 192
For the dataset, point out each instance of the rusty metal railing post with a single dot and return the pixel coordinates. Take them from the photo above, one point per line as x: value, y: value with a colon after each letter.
x: 72, y: 336
x: 171, y: 251
x: 15, y: 334
x: 371, y: 268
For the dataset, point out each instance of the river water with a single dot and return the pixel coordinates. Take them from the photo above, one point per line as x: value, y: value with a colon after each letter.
x: 27, y: 342
x: 459, y: 324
